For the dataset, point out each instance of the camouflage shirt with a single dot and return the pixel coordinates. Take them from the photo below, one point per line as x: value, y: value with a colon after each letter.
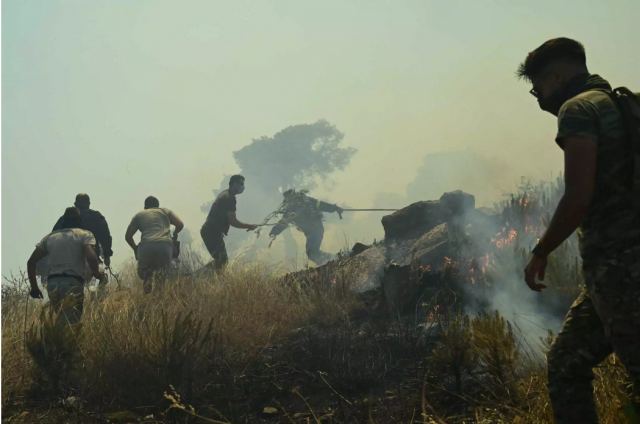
x: 611, y: 224
x: 303, y: 211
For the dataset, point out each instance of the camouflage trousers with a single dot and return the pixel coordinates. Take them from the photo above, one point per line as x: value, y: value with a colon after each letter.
x: 604, y: 319
x: 314, y: 233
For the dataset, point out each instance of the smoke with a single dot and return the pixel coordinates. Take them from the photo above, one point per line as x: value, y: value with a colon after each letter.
x: 487, y: 178
x: 505, y: 241
x: 506, y: 238
x: 185, y: 237
x: 530, y: 312
x: 299, y: 156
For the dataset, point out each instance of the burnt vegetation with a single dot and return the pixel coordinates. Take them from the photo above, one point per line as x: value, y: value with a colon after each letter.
x: 432, y: 325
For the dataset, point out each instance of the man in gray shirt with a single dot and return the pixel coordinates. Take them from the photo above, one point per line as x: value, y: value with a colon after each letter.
x: 72, y: 261
x: 155, y: 251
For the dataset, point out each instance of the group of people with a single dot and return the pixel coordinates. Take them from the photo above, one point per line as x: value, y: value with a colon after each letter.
x: 70, y: 256
x: 601, y: 149
x: 297, y: 209
x: 80, y: 240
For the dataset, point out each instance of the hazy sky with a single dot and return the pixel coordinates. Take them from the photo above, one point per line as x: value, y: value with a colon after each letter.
x: 122, y: 99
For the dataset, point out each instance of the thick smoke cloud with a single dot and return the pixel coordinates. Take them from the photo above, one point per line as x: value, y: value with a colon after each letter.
x: 487, y: 178
x: 299, y: 156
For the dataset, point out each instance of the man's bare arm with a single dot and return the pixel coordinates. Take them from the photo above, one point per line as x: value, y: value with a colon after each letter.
x: 128, y: 236
x: 38, y: 253
x: 92, y: 259
x: 580, y: 155
x: 233, y: 221
x: 177, y: 223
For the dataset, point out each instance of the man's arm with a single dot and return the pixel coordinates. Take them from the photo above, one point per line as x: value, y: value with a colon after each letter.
x: 38, y: 253
x: 279, y: 227
x: 579, y: 179
x: 330, y: 207
x: 128, y: 236
x: 92, y: 259
x: 580, y: 153
x: 233, y: 221
x: 177, y: 223
x: 103, y: 236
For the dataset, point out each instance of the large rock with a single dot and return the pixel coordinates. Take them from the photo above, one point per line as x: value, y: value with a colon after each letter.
x: 458, y: 202
x: 418, y: 218
x: 400, y: 289
x: 368, y: 268
x: 432, y: 247
x: 413, y: 221
x: 424, y: 250
x: 418, y: 238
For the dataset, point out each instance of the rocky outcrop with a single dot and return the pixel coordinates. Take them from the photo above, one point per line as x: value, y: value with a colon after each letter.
x: 412, y: 221
x: 369, y: 268
x: 418, y: 218
x: 422, y: 236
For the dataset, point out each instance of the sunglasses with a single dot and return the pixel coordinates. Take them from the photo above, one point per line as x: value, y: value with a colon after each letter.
x: 534, y: 93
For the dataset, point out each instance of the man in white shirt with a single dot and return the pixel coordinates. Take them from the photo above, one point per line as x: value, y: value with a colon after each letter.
x: 71, y: 261
x: 155, y: 251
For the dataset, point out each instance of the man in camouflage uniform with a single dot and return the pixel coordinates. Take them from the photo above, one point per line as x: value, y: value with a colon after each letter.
x: 305, y: 213
x: 598, y: 185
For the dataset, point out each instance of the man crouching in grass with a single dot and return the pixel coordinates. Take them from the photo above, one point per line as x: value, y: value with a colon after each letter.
x: 69, y: 251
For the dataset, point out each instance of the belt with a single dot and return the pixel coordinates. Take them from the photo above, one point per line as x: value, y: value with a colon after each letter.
x: 75, y: 277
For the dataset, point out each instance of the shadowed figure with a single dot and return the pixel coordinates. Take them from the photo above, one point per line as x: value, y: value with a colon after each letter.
x: 221, y: 217
x: 305, y: 213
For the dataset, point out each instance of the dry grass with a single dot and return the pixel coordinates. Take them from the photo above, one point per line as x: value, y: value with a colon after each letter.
x: 196, y: 335
x: 223, y: 349
x: 249, y: 347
